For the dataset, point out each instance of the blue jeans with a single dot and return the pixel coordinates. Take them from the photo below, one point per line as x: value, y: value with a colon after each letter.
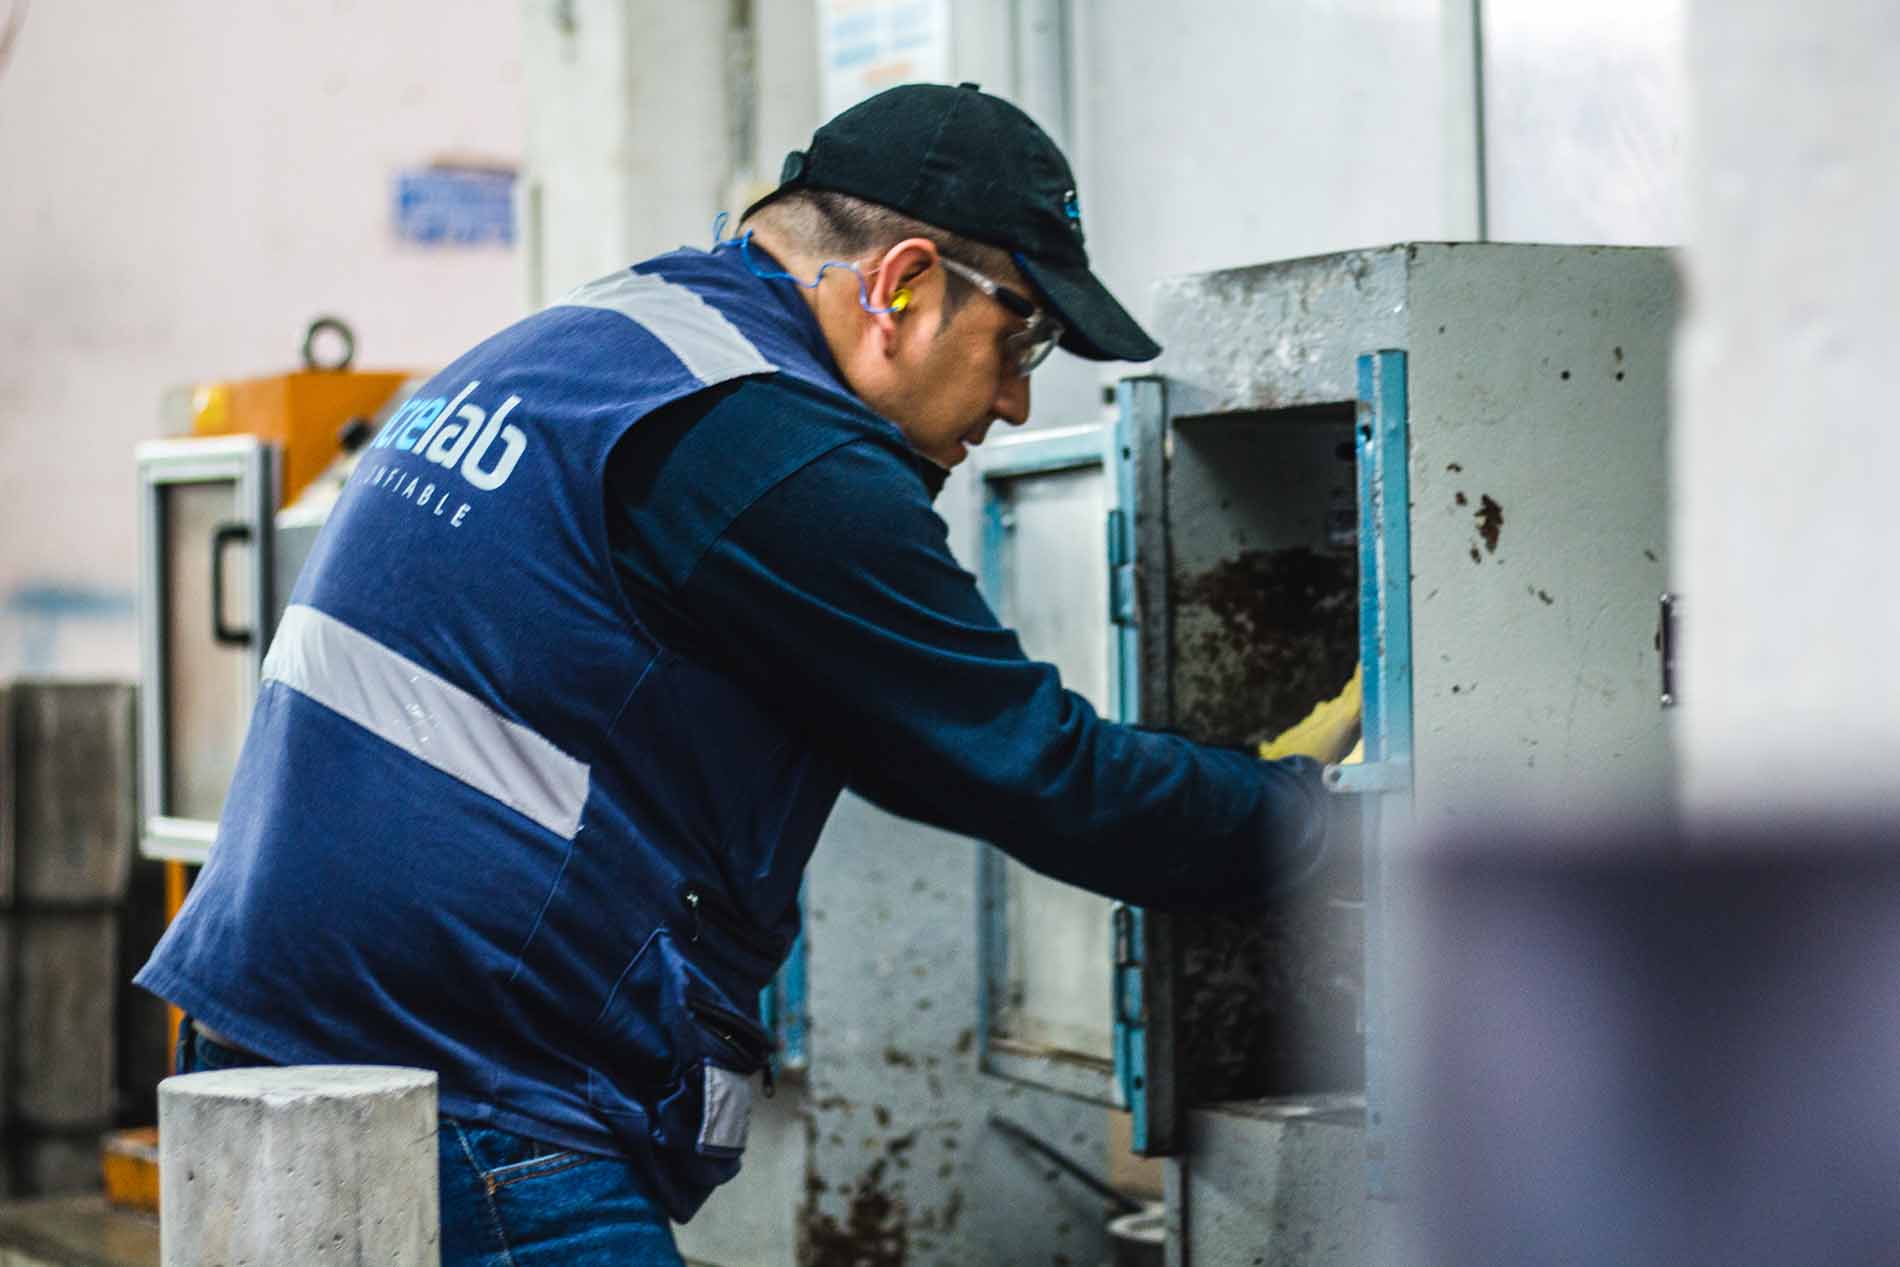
x: 510, y: 1201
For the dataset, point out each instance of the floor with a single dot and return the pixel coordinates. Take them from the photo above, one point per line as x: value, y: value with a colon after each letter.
x: 75, y: 1232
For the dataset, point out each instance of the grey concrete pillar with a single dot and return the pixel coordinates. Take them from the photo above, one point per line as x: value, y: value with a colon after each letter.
x: 67, y: 826
x: 331, y: 1163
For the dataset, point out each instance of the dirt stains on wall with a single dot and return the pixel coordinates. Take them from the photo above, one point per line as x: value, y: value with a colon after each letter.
x: 1490, y: 518
x: 875, y: 1230
x: 1261, y: 637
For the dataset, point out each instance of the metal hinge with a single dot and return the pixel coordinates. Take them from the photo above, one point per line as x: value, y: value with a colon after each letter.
x: 1121, y: 570
x: 1668, y: 645
x: 1131, y: 1009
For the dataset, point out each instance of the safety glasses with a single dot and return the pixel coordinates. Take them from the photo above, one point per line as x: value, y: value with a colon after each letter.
x: 1029, y: 346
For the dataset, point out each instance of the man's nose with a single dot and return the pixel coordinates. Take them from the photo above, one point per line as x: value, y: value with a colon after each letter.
x: 1012, y: 400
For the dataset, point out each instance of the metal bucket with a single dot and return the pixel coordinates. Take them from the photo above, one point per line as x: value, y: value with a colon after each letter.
x: 1139, y: 1240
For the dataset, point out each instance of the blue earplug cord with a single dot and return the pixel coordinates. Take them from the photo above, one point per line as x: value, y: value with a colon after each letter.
x: 744, y: 242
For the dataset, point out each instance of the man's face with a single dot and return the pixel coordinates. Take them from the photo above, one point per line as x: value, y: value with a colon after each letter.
x: 951, y: 379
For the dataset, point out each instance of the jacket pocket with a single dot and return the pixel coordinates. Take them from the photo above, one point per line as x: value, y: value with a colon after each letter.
x: 691, y: 1119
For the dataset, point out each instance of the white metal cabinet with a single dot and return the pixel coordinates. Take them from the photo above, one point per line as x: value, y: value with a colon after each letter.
x: 207, y: 606
x: 1502, y: 410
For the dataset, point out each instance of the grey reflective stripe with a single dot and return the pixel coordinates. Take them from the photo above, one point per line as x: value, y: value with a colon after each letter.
x: 709, y: 346
x: 431, y: 719
x: 728, y: 1111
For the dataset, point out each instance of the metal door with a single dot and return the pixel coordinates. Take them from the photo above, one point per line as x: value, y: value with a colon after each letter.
x: 1240, y: 606
x: 1044, y: 981
x: 206, y: 606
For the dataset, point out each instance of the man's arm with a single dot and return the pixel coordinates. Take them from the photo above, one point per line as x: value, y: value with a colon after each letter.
x: 834, y: 595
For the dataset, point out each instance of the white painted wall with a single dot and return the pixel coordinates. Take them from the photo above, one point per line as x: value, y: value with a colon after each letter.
x: 1785, y: 441
x: 184, y: 184
x: 1584, y: 111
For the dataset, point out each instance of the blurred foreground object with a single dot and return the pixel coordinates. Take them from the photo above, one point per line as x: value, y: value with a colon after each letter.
x: 1644, y: 1047
x: 299, y: 1165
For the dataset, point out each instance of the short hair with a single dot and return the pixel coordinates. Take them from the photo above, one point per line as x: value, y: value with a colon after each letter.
x: 830, y: 223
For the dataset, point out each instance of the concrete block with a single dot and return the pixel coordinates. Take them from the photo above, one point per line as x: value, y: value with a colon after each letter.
x: 61, y: 1164
x: 61, y: 1027
x: 8, y: 1029
x: 1277, y: 1184
x: 333, y: 1163
x: 9, y: 797
x: 75, y: 816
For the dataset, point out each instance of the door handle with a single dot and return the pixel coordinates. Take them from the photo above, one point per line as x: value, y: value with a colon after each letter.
x: 222, y: 537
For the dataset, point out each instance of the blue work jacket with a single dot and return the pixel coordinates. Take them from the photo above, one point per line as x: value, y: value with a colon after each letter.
x: 603, y: 621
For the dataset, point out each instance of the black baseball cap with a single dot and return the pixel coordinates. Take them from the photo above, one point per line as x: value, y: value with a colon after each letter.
x: 979, y: 167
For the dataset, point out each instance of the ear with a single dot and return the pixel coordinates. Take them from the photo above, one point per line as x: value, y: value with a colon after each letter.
x: 907, y: 283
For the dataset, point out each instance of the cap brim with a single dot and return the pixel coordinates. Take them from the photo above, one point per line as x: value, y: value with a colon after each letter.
x: 1097, y: 328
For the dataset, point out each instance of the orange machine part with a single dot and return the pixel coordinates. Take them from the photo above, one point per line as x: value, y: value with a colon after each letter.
x: 302, y: 413
x: 177, y: 886
x: 129, y: 1160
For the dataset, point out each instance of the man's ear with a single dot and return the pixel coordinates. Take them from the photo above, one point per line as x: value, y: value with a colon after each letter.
x: 902, y: 284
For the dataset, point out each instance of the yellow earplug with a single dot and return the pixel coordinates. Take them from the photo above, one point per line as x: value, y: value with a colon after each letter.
x: 901, y: 300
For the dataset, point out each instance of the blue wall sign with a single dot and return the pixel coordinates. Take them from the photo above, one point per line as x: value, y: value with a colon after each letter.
x: 455, y: 205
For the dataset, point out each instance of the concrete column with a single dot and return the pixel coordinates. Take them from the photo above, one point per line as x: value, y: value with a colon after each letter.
x: 332, y: 1163
x: 627, y: 150
x: 67, y: 825
x: 1787, y: 373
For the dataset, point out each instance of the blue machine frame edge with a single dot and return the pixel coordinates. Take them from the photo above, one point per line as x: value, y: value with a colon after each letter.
x: 1133, y: 396
x: 1385, y: 646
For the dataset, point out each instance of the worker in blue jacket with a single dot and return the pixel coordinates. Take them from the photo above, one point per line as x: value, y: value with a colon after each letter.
x: 605, y: 619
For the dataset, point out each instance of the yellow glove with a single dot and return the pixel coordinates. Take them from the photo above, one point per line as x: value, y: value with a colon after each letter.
x: 1328, y: 733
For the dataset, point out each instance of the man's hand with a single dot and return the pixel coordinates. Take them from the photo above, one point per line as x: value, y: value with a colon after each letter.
x: 1329, y: 733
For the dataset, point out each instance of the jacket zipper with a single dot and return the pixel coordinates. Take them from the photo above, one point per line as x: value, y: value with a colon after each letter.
x: 706, y: 908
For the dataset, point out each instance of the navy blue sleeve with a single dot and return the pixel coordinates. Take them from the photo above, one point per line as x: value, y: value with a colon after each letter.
x: 834, y: 593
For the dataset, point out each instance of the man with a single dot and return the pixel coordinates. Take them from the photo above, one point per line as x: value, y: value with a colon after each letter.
x: 603, y: 623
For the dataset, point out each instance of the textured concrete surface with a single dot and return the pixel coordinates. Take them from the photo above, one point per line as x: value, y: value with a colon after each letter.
x: 54, y: 1162
x: 9, y: 797
x: 75, y: 1232
x: 75, y: 815
x: 301, y: 1164
x: 67, y: 825
x: 60, y: 1029
x: 905, y: 1170
x: 7, y: 1029
x: 1277, y: 1184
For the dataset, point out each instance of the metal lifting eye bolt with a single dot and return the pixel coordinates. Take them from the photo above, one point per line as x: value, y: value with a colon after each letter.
x: 332, y: 325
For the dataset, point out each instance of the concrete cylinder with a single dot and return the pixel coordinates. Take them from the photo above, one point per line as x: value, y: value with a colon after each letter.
x: 330, y: 1163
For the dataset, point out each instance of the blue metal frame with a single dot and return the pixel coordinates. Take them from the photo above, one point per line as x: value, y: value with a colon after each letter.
x: 1132, y: 396
x: 1026, y: 454
x: 1385, y: 648
x: 782, y: 1006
